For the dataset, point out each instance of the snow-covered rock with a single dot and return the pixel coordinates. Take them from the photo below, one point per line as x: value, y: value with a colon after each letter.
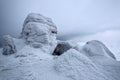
x: 62, y: 47
x: 111, y: 38
x: 39, y: 31
x: 9, y: 46
x: 95, y: 48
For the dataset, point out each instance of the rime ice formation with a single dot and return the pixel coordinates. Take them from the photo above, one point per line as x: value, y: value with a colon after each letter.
x: 62, y: 47
x: 39, y: 31
x: 9, y: 46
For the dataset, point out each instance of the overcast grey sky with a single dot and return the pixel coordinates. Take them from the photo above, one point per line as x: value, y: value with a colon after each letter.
x: 70, y: 16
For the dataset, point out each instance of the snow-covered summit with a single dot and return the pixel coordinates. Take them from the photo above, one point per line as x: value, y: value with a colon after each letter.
x: 32, y: 59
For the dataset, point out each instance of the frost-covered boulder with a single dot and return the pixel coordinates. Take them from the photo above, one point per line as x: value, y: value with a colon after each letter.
x: 62, y: 47
x: 38, y: 18
x: 8, y: 46
x: 39, y: 31
x: 95, y: 48
x: 77, y: 66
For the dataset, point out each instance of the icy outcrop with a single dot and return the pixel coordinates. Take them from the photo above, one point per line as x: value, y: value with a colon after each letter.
x: 9, y: 46
x: 77, y: 66
x: 39, y: 31
x: 62, y: 47
x: 95, y: 48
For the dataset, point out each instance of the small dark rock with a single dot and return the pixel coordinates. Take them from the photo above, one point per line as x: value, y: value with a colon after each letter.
x: 62, y: 47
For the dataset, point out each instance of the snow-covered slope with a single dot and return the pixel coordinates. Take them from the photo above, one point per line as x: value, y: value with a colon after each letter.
x: 34, y: 64
x: 110, y: 38
x: 28, y: 64
x: 78, y: 67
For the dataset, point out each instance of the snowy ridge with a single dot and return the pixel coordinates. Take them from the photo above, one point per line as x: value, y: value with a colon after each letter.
x: 110, y: 38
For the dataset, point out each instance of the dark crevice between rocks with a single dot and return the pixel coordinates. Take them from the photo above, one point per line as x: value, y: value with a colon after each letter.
x: 61, y: 47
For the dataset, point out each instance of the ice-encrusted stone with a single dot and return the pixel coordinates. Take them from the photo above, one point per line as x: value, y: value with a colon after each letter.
x: 38, y: 18
x: 39, y: 31
x: 95, y: 48
x: 62, y: 47
x: 8, y: 46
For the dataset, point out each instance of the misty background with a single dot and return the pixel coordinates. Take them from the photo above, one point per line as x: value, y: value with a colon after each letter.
x: 72, y: 17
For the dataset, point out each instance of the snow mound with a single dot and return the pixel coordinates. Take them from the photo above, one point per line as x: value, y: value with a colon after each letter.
x: 97, y: 48
x: 77, y: 66
x: 110, y: 38
x: 9, y: 46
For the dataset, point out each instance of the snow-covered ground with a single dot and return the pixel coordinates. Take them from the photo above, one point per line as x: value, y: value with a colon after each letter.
x: 34, y: 64
x: 28, y: 64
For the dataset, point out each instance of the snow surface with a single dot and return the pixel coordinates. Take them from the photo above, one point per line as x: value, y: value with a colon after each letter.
x: 28, y: 64
x: 35, y: 64
x: 78, y: 67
